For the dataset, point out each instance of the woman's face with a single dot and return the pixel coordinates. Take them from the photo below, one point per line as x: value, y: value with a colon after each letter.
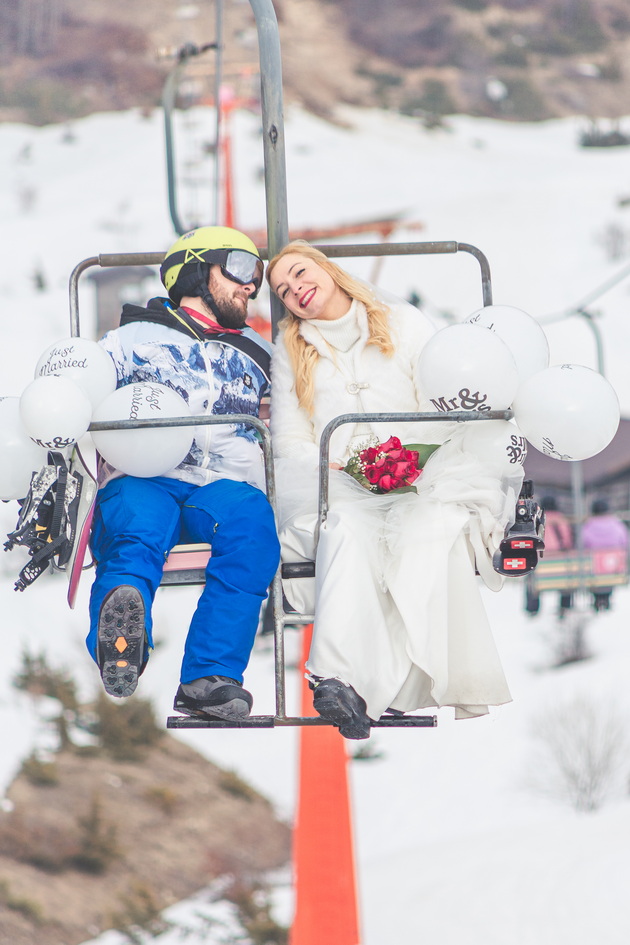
x: 307, y: 290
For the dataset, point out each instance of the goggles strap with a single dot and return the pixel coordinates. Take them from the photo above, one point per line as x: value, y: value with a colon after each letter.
x: 206, y: 296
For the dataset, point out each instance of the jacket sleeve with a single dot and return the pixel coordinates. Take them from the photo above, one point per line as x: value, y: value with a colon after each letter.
x: 292, y: 430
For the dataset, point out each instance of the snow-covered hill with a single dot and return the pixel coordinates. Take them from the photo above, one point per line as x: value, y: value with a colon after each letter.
x: 454, y: 844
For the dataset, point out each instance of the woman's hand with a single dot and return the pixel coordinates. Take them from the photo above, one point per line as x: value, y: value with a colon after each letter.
x: 335, y: 465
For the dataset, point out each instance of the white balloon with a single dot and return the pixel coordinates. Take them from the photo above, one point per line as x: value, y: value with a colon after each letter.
x: 143, y: 452
x: 55, y: 411
x: 19, y: 456
x: 499, y: 443
x: 522, y: 334
x: 466, y: 367
x: 83, y: 361
x: 567, y: 411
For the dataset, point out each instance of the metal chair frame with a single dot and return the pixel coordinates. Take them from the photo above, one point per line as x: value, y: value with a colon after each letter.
x: 192, y: 575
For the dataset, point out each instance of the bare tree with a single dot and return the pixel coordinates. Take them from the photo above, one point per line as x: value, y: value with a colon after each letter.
x: 582, y: 749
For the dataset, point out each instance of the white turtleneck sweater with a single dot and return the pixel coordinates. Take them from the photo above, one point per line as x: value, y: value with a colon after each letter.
x: 342, y: 334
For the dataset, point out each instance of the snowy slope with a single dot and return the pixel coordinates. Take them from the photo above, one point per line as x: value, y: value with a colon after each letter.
x: 453, y: 844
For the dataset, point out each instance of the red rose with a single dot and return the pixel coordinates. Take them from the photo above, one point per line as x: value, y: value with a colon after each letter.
x: 400, y: 470
x: 392, y: 444
x: 388, y: 466
x: 368, y: 455
x: 372, y: 474
x: 387, y: 483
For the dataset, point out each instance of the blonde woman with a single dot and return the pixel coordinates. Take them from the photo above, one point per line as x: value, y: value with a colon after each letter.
x: 399, y: 621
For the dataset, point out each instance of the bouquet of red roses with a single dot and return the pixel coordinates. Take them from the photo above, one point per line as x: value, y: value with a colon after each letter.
x: 390, y: 466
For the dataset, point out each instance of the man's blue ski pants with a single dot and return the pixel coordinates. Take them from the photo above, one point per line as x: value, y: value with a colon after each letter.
x: 138, y: 521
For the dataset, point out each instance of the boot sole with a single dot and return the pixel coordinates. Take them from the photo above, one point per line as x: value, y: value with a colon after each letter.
x: 351, y: 724
x: 121, y: 641
x: 234, y: 711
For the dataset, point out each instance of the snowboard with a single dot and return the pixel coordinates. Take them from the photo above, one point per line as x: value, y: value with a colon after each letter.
x: 85, y: 513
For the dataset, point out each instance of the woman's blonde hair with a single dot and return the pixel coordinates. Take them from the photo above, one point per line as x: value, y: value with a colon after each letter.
x: 303, y: 354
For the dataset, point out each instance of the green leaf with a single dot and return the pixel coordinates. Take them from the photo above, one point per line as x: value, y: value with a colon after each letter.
x: 397, y: 491
x: 424, y: 450
x: 356, y: 474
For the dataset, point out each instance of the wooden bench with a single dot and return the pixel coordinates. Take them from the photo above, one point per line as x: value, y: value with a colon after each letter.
x: 570, y: 570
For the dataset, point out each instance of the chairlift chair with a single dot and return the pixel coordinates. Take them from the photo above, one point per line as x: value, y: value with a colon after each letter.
x: 186, y: 563
x: 592, y: 570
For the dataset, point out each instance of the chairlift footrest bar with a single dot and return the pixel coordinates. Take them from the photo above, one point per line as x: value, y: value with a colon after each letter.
x: 184, y: 577
x: 406, y: 721
x: 386, y: 721
x: 186, y: 721
x: 271, y: 721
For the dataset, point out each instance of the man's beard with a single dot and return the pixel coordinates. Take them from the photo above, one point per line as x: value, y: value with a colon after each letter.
x: 230, y: 313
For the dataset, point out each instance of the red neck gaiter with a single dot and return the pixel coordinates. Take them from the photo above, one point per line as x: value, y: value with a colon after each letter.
x: 212, y: 327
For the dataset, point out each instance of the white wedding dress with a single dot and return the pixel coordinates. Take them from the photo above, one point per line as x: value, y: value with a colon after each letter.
x: 398, y: 610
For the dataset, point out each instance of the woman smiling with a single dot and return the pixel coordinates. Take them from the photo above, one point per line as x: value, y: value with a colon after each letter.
x: 399, y: 622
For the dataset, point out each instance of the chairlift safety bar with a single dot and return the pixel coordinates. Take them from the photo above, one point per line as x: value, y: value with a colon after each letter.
x: 459, y: 416
x: 280, y: 618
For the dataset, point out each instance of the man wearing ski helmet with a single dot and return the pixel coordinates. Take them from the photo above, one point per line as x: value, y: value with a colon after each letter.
x: 197, y: 342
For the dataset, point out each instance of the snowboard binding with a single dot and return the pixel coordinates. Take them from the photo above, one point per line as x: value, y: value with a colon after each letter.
x: 519, y: 551
x: 47, y: 522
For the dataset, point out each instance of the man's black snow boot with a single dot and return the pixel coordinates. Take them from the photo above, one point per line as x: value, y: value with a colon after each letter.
x: 337, y: 702
x: 214, y: 697
x: 121, y: 650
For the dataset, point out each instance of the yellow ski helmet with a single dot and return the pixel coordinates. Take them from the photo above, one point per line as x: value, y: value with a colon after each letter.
x: 186, y: 264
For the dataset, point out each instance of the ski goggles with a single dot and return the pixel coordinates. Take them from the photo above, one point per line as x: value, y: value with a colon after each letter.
x: 242, y: 267
x: 239, y: 265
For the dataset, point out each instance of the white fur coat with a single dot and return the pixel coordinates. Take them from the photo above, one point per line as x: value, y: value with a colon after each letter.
x: 398, y: 613
x: 362, y: 380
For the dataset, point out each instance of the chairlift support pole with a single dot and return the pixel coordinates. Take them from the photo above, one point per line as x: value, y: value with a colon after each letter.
x: 218, y: 79
x: 273, y: 136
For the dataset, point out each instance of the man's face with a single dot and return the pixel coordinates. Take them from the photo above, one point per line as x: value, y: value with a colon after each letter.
x: 230, y: 297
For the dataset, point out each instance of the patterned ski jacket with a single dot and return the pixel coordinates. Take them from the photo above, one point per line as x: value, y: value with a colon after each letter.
x: 218, y: 373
